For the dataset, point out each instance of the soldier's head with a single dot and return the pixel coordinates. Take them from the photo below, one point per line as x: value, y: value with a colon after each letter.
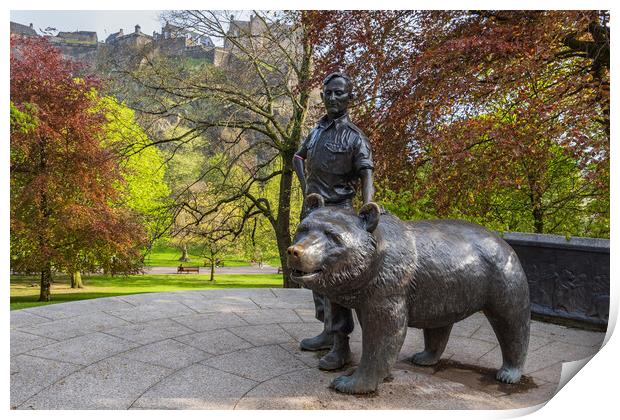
x: 336, y: 94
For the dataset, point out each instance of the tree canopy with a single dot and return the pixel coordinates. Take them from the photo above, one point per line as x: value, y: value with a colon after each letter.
x: 65, y: 211
x: 143, y: 188
x: 463, y: 107
x: 252, y: 109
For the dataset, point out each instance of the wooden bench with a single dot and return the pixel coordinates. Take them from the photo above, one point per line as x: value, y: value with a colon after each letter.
x: 182, y: 269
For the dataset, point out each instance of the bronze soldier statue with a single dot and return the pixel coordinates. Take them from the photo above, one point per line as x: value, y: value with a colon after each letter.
x: 333, y: 160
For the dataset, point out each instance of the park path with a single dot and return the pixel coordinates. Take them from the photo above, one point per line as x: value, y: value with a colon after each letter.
x: 239, y: 349
x: 267, y: 269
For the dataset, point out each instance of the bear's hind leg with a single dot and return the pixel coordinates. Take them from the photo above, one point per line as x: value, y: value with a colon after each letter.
x: 512, y: 329
x: 435, y: 340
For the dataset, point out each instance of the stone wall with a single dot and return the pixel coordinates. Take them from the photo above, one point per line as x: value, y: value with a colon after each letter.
x: 569, y: 279
x: 170, y: 46
x: 83, y: 52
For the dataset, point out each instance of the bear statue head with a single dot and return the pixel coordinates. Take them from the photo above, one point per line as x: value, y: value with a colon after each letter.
x: 334, y: 247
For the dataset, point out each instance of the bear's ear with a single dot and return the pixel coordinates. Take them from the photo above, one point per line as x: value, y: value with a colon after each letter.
x: 314, y: 201
x: 369, y: 215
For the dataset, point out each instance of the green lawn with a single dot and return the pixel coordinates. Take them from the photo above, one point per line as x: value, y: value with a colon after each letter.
x: 168, y: 256
x: 25, y: 289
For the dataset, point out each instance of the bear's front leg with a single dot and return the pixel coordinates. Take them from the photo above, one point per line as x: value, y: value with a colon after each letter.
x: 385, y: 327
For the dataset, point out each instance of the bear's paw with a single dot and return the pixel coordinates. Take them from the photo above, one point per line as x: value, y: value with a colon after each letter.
x: 508, y: 375
x: 425, y: 358
x: 353, y: 385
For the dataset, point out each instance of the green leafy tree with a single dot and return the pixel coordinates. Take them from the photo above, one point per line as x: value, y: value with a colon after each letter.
x: 144, y: 188
x: 185, y: 163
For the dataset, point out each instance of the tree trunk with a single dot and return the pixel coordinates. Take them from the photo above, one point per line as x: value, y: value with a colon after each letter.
x: 283, y: 223
x: 46, y: 281
x: 536, y: 202
x: 184, y: 256
x: 212, y: 270
x: 537, y: 212
x: 539, y: 223
x: 76, y: 280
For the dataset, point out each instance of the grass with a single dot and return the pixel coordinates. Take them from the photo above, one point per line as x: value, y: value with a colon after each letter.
x: 25, y: 289
x: 168, y: 256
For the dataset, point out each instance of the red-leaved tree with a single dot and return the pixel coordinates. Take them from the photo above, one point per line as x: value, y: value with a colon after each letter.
x: 471, y: 103
x: 63, y: 212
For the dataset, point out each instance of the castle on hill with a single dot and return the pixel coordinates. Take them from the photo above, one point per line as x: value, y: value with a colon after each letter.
x: 172, y: 41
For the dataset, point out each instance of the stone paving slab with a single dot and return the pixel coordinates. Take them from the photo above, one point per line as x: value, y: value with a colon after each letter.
x: 170, y: 354
x: 22, y: 342
x: 307, y: 315
x: 269, y: 316
x: 195, y: 387
x: 114, y: 383
x: 108, y: 304
x: 238, y: 349
x: 211, y: 321
x: 301, y: 330
x: 151, y: 311
x: 63, y: 329
x: 260, y: 335
x: 215, y: 342
x: 280, y: 303
x: 469, y: 326
x: 23, y: 318
x: 58, y: 311
x: 30, y: 375
x: 85, y: 349
x: 150, y: 331
x: 203, y: 304
x: 257, y: 363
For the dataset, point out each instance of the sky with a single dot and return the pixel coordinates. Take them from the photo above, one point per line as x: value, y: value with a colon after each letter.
x: 104, y: 22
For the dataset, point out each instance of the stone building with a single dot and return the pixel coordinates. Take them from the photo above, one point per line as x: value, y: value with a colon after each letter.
x: 19, y: 31
x: 173, y: 41
x: 78, y: 45
x: 192, y: 39
x: 137, y: 38
x: 112, y: 37
x: 176, y: 41
x: 240, y: 31
x: 258, y: 33
x: 78, y: 37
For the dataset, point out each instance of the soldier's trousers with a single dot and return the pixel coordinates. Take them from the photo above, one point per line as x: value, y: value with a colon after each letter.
x: 336, y: 318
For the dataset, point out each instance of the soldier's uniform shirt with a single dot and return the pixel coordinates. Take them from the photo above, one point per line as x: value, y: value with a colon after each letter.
x: 335, y: 152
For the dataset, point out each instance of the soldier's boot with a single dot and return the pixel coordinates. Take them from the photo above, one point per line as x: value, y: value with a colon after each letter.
x: 322, y: 341
x: 339, y: 355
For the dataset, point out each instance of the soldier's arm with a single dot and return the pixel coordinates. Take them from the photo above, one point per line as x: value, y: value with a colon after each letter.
x: 364, y: 165
x: 299, y: 166
x: 367, y: 188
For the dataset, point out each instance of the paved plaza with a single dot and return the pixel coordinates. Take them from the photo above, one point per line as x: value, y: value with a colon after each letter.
x: 238, y: 349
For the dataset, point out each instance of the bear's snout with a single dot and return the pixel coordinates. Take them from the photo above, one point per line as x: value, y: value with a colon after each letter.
x: 295, y: 251
x: 304, y: 256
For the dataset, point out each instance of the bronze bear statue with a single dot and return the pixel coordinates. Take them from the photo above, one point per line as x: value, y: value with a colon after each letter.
x: 423, y: 274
